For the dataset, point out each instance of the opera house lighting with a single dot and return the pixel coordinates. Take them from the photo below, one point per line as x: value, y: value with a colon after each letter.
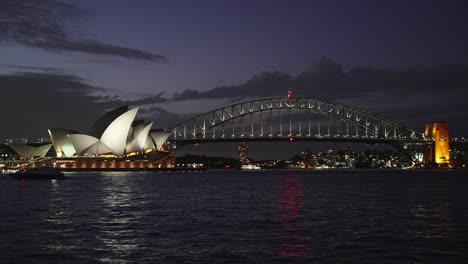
x: 116, y: 140
x: 116, y: 134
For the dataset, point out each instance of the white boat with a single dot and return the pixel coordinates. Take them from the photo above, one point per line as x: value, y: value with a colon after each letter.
x: 250, y: 167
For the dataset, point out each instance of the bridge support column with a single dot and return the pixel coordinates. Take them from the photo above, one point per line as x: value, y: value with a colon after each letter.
x: 439, y: 151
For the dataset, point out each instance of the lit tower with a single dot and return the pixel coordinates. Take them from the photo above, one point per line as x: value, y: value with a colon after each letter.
x: 439, y: 151
x: 243, y: 153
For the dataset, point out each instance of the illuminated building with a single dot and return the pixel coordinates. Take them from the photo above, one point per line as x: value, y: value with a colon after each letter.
x: 115, y: 134
x: 438, y: 152
x: 116, y: 141
x: 159, y: 138
x: 243, y: 153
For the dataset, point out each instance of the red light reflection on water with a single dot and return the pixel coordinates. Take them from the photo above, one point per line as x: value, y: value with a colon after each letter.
x: 292, y: 241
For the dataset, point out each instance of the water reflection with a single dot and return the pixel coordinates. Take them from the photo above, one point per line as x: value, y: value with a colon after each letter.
x: 440, y: 225
x: 58, y: 212
x: 431, y: 216
x: 58, y: 220
x: 292, y: 242
x: 122, y: 209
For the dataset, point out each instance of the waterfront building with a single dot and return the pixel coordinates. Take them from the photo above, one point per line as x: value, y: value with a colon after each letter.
x: 114, y: 141
x: 115, y: 134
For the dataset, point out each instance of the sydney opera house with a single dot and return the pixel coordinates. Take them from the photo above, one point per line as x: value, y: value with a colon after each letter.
x: 114, y: 141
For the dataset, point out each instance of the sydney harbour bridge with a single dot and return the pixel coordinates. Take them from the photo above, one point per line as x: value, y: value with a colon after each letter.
x: 300, y: 119
x: 284, y: 119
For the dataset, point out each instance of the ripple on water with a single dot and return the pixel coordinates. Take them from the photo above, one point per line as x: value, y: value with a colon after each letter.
x: 218, y: 217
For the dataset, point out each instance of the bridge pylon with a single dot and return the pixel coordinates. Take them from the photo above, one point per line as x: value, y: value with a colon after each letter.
x: 438, y: 149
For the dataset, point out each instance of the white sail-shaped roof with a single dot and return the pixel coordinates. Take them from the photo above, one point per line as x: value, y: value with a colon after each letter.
x: 104, y: 121
x: 89, y: 145
x: 97, y: 148
x: 41, y: 151
x: 25, y: 151
x: 81, y: 142
x: 140, y: 135
x: 28, y: 151
x: 62, y: 144
x: 132, y: 145
x: 138, y: 138
x: 149, y: 144
x: 115, y: 135
x: 160, y: 138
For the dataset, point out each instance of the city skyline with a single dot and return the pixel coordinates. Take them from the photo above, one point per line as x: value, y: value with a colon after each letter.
x: 67, y: 62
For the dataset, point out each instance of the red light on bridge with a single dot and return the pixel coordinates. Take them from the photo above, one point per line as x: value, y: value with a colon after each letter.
x: 291, y: 139
x: 227, y: 166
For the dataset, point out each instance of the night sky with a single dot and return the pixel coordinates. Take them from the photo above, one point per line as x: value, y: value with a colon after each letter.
x: 63, y: 63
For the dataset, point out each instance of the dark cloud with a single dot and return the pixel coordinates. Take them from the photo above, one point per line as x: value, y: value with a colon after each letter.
x: 265, y: 84
x: 34, y: 102
x: 161, y: 117
x: 49, y: 25
x: 154, y: 99
x: 328, y: 80
x: 32, y: 68
x: 412, y: 97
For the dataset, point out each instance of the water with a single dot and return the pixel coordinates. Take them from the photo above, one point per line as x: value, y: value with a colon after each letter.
x: 237, y: 217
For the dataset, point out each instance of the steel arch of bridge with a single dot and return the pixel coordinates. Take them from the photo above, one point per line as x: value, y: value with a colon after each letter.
x: 220, y: 123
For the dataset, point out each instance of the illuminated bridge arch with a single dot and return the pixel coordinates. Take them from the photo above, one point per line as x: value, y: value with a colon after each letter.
x: 298, y: 118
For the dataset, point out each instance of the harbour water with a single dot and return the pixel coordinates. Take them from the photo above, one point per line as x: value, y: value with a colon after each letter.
x: 233, y: 216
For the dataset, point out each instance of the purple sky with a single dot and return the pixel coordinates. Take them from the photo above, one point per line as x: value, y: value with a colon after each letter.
x: 72, y: 60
